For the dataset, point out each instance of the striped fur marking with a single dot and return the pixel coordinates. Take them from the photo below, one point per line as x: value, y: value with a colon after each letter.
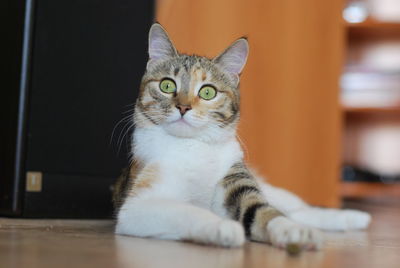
x: 246, y: 203
x: 249, y: 216
x: 262, y: 217
x: 236, y: 194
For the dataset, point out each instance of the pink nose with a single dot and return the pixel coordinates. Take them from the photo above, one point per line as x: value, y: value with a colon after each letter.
x: 183, y: 108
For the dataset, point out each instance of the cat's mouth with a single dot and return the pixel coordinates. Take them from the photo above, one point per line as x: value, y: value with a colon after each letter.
x: 182, y: 121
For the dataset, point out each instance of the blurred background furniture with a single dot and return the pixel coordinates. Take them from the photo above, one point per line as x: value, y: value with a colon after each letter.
x: 74, y: 68
x: 371, y: 100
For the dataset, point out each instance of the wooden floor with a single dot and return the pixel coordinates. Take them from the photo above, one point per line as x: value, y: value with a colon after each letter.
x: 84, y: 243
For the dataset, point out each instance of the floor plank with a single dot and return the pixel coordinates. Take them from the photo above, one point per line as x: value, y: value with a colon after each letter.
x: 88, y: 243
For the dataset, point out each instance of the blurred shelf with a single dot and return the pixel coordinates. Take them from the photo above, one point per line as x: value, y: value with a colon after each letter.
x: 365, y: 110
x: 373, y: 29
x: 359, y: 36
x: 367, y: 189
x: 374, y: 24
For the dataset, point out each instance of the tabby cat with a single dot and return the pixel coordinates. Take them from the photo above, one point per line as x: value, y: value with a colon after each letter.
x: 188, y: 180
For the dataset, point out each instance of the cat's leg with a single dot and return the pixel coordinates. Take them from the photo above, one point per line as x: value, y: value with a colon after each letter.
x: 174, y: 220
x: 239, y: 197
x: 323, y: 218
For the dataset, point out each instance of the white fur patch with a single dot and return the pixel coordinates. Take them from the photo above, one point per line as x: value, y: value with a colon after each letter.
x: 332, y: 219
x: 189, y: 169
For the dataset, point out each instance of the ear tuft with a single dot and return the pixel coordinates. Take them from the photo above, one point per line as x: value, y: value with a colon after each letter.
x: 234, y: 57
x: 160, y: 46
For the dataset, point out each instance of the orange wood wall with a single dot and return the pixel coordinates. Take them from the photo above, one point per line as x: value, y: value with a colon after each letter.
x: 290, y: 112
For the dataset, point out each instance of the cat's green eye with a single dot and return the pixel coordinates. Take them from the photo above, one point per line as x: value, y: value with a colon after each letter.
x: 207, y: 92
x: 168, y: 86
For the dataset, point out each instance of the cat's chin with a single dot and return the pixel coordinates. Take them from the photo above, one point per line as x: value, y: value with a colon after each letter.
x: 182, y: 129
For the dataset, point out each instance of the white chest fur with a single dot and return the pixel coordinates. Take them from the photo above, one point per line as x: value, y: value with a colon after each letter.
x: 188, y: 169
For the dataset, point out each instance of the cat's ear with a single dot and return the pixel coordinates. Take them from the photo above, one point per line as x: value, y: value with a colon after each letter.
x: 233, y: 59
x: 160, y: 46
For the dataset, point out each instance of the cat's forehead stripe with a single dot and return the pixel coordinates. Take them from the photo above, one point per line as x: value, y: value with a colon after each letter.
x: 176, y: 71
x: 185, y: 82
x: 204, y: 76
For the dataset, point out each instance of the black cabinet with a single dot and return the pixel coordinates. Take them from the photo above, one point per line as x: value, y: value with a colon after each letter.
x: 76, y: 70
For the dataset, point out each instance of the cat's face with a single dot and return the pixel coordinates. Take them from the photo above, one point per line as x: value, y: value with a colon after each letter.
x: 190, y: 96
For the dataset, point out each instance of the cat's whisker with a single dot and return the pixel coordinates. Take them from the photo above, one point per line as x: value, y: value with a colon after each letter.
x: 121, y: 134
x: 126, y: 132
x: 243, y: 145
x: 129, y: 111
x: 128, y: 117
x: 130, y: 105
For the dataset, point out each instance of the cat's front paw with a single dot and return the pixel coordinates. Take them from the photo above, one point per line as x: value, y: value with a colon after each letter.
x: 225, y: 233
x: 283, y: 232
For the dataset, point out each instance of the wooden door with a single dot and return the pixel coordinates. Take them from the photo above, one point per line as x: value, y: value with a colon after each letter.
x: 291, y: 120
